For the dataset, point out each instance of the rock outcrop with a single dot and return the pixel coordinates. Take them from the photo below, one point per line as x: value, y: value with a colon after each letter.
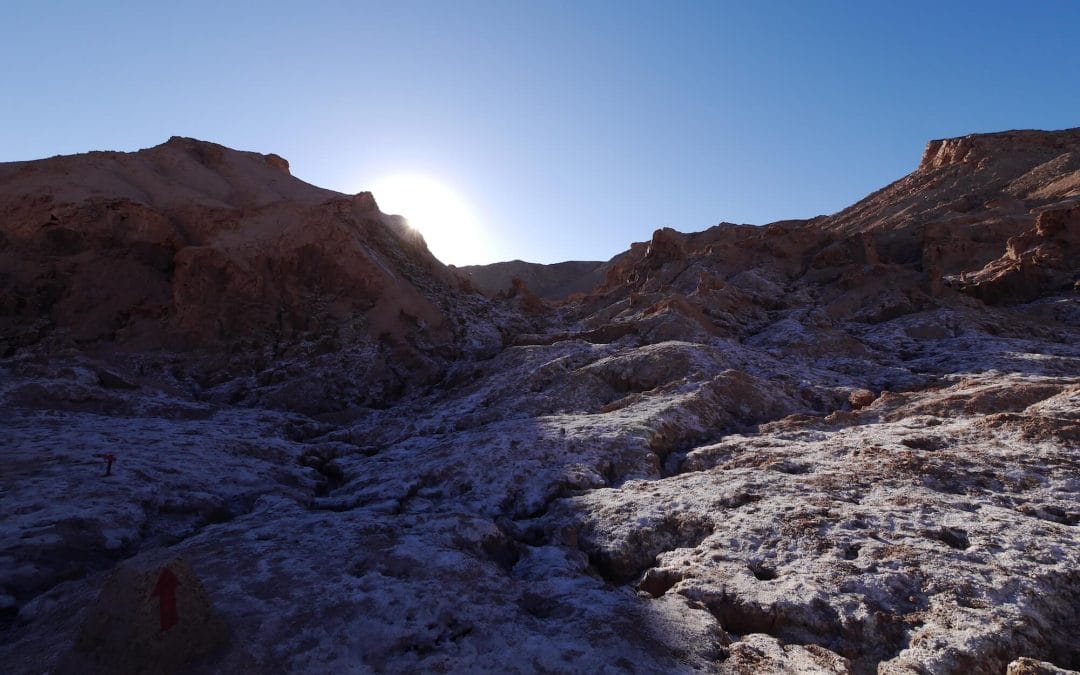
x: 847, y: 444
x: 1042, y: 260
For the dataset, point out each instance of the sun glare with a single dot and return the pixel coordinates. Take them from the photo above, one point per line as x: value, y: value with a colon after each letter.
x: 445, y: 218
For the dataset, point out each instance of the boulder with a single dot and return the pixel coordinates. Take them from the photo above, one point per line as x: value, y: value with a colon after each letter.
x: 152, y: 616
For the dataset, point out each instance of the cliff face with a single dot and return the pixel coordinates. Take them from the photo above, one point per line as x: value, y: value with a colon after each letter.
x: 845, y: 444
x: 1020, y: 151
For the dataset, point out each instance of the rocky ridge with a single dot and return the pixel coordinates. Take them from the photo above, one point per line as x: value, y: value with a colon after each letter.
x: 845, y: 444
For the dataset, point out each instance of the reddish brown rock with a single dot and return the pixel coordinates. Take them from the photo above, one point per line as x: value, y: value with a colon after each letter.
x: 1044, y: 259
x: 860, y: 398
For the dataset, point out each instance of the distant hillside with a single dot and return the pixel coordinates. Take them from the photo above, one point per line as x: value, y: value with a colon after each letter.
x: 552, y: 282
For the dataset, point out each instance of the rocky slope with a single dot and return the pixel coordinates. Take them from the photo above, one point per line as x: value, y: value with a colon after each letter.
x: 847, y: 444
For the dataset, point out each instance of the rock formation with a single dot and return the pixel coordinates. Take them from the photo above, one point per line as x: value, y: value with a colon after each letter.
x: 843, y: 444
x: 191, y: 247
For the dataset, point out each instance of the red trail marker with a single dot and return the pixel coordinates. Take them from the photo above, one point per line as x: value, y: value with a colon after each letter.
x: 165, y: 590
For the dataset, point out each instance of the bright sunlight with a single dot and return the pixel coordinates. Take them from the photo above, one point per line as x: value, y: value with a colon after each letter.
x: 445, y: 218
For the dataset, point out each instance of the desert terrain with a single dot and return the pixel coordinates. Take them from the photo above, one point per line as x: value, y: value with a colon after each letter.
x: 846, y: 444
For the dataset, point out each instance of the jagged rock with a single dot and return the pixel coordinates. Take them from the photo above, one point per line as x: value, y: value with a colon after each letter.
x: 1040, y: 261
x: 860, y: 398
x: 759, y: 653
x: 1026, y: 666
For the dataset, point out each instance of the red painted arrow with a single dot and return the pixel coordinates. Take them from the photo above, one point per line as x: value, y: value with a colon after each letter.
x: 165, y: 590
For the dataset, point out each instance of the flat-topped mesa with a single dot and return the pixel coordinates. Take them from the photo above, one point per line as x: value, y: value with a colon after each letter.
x: 975, y: 148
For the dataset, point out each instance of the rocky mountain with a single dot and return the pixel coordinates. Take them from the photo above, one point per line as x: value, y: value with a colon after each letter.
x: 844, y: 444
x: 190, y: 247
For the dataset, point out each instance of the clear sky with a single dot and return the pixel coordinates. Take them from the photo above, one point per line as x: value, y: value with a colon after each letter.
x: 566, y: 129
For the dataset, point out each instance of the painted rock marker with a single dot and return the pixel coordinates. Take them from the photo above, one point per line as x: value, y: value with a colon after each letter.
x: 165, y: 590
x: 152, y: 616
x: 109, y: 459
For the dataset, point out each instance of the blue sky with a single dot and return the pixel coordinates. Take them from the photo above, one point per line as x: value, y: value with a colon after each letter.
x: 572, y: 128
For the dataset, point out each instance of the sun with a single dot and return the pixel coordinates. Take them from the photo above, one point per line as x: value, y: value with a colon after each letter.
x: 450, y: 225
